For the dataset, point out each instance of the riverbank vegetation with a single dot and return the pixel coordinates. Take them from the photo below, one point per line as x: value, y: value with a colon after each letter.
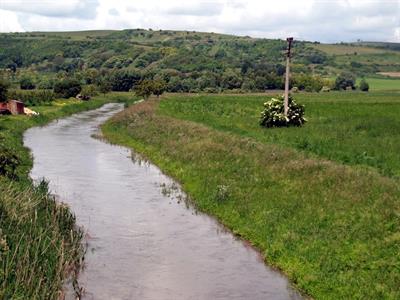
x: 320, y: 202
x: 40, y: 244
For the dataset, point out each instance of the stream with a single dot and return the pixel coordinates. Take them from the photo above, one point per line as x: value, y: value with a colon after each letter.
x: 144, y: 240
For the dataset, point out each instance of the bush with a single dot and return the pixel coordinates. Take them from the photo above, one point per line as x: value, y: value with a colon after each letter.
x: 273, y: 113
x: 67, y: 88
x: 26, y: 83
x: 89, y: 90
x: 124, y: 80
x: 45, y: 84
x: 104, y: 86
x: 159, y: 87
x: 144, y: 88
x: 308, y: 83
x: 211, y: 90
x: 8, y: 163
x: 345, y: 81
x: 364, y: 86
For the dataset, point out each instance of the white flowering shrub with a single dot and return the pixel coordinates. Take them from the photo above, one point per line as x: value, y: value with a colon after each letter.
x: 273, y: 113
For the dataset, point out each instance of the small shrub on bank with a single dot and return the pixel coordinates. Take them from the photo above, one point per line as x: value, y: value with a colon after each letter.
x: 222, y: 193
x: 273, y: 113
x: 8, y: 163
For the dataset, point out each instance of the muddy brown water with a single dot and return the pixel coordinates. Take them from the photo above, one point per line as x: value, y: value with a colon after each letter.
x: 143, y: 244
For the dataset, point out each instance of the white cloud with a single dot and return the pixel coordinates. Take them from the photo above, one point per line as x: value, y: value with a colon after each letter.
x: 81, y: 9
x: 9, y: 22
x: 324, y: 20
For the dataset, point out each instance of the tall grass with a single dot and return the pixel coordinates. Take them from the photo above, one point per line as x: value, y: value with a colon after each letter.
x: 39, y: 242
x: 333, y: 229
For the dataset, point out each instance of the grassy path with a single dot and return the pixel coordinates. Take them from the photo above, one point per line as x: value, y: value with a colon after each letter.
x: 40, y: 244
x: 333, y: 229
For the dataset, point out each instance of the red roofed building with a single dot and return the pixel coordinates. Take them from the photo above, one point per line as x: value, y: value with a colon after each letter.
x: 13, y: 107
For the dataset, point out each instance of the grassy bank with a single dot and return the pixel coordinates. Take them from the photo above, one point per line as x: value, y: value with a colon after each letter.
x: 39, y: 242
x: 333, y: 229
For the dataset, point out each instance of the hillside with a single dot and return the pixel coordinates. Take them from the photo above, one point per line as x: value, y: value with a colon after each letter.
x: 186, y: 60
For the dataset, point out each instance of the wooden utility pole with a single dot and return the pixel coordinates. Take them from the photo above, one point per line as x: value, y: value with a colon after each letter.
x: 286, y: 103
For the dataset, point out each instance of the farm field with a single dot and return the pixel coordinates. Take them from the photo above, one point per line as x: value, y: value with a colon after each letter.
x: 320, y: 202
x: 390, y: 74
x: 337, y: 49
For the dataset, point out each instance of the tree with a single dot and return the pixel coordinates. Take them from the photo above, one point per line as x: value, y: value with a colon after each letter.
x: 316, y: 57
x: 345, y: 80
x: 26, y: 83
x: 207, y: 80
x: 159, y: 87
x: 12, y: 66
x: 67, y: 88
x: 175, y: 84
x: 231, y: 80
x: 46, y: 84
x: 104, y: 86
x: 88, y: 91
x: 144, y: 88
x: 364, y: 86
x: 248, y: 84
x: 124, y: 80
x: 308, y: 82
x: 3, y: 90
x: 91, y: 75
x: 147, y: 87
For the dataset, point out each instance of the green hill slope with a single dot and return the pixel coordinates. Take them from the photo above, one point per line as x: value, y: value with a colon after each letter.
x: 191, y: 61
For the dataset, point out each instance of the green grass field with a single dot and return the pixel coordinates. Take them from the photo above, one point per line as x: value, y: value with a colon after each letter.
x: 353, y: 128
x: 377, y: 84
x: 337, y: 49
x: 321, y: 202
x: 382, y: 84
x: 40, y: 244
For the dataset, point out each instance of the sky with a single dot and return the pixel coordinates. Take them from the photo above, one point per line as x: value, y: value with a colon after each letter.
x: 312, y: 20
